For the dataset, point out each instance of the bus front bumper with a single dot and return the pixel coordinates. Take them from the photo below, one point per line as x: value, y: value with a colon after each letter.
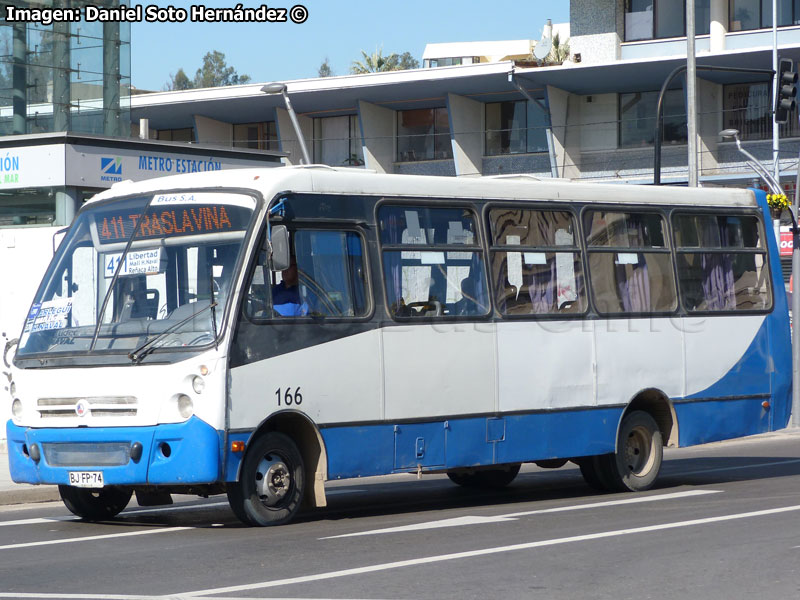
x: 171, y: 454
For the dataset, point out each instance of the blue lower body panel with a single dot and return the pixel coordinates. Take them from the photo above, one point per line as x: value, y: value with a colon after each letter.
x: 172, y: 454
x: 364, y: 450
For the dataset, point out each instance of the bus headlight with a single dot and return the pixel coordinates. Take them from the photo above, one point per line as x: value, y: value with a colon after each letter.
x: 185, y: 406
x: 198, y: 384
x: 16, y: 408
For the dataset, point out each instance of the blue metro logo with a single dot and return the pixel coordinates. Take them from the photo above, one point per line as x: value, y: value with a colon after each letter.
x: 110, y: 168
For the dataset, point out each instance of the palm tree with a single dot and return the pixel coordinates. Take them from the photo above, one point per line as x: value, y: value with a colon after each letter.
x: 374, y: 63
x: 558, y: 53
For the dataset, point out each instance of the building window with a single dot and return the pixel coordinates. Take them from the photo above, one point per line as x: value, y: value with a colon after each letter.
x: 637, y: 118
x: 757, y: 14
x: 748, y: 108
x: 337, y: 141
x: 176, y: 135
x: 423, y: 134
x: 258, y: 136
x: 655, y: 19
x: 515, y: 128
x: 430, y: 63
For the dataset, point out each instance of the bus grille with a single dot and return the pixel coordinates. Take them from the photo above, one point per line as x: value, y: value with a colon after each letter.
x: 81, y: 454
x: 97, y: 406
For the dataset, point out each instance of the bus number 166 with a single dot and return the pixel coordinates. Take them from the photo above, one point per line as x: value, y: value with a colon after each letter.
x: 288, y: 398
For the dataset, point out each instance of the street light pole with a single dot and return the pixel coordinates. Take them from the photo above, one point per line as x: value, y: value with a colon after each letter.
x: 691, y: 94
x: 280, y: 88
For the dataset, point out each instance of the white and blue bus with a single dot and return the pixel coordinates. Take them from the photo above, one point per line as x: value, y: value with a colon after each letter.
x: 260, y: 332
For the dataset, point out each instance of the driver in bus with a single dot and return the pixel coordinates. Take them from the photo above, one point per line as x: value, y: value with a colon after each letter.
x: 286, y: 299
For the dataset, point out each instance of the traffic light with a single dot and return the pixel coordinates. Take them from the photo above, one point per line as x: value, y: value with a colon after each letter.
x: 787, y: 90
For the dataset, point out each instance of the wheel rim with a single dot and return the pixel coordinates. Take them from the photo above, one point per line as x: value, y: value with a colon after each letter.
x: 638, y: 454
x: 273, y: 479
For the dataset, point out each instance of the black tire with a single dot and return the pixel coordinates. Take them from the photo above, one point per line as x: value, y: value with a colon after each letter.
x: 635, y: 466
x: 95, y: 504
x: 487, y: 478
x: 594, y: 472
x: 271, y: 484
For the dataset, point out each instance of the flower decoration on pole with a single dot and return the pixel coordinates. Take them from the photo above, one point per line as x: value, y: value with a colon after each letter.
x: 778, y: 203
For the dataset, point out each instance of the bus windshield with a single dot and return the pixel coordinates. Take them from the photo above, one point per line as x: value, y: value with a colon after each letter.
x: 106, y: 293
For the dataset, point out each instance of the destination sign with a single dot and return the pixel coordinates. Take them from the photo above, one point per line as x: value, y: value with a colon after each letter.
x: 170, y: 220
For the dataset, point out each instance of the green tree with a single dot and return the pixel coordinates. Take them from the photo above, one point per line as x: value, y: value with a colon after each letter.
x: 325, y: 69
x: 180, y: 81
x: 214, y: 72
x: 377, y: 62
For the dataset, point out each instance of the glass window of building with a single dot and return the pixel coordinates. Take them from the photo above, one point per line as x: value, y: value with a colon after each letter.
x: 423, y: 134
x: 258, y: 136
x: 72, y: 76
x: 757, y: 14
x: 337, y: 141
x: 655, y: 19
x: 515, y: 127
x: 637, y: 121
x: 176, y: 135
x: 748, y: 108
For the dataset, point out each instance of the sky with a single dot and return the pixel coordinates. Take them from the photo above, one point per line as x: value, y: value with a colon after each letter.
x: 335, y: 29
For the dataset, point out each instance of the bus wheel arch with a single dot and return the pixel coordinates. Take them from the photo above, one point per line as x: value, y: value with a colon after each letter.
x: 308, y: 439
x: 659, y: 406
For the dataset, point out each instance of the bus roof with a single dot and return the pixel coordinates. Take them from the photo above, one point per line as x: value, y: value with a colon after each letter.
x: 348, y: 180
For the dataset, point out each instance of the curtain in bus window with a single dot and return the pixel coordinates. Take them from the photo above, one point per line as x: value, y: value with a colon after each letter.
x: 542, y: 290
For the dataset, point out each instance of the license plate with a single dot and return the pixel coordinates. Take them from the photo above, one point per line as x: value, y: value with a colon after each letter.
x: 86, y: 479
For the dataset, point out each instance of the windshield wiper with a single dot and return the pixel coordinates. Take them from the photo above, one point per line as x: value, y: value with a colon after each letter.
x: 118, y: 270
x: 146, y: 348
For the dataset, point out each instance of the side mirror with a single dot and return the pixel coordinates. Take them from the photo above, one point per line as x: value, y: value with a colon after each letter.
x: 280, y: 258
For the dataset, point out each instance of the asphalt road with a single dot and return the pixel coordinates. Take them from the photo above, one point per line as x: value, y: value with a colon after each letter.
x: 723, y: 522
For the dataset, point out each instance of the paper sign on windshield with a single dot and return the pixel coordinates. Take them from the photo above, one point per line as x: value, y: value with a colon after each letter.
x: 137, y: 262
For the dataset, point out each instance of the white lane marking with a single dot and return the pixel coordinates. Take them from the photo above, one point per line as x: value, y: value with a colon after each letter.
x: 36, y: 521
x: 127, y: 513
x: 483, y: 552
x: 735, y: 468
x: 91, y: 538
x: 46, y: 596
x: 470, y: 520
x: 79, y: 596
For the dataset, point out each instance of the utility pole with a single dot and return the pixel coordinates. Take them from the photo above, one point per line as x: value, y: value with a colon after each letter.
x: 691, y: 93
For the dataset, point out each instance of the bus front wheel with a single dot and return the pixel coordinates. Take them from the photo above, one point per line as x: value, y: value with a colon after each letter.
x: 95, y: 504
x: 271, y: 484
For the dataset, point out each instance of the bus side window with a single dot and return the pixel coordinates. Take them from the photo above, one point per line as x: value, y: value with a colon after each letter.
x: 432, y: 262
x: 536, y: 262
x: 722, y: 263
x: 630, y: 263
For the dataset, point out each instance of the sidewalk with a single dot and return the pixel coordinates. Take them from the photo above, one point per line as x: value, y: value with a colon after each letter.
x: 20, y: 493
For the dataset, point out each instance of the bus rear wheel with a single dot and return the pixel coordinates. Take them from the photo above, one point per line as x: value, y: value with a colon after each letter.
x: 95, y: 504
x: 271, y: 484
x: 637, y: 462
x: 487, y: 478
